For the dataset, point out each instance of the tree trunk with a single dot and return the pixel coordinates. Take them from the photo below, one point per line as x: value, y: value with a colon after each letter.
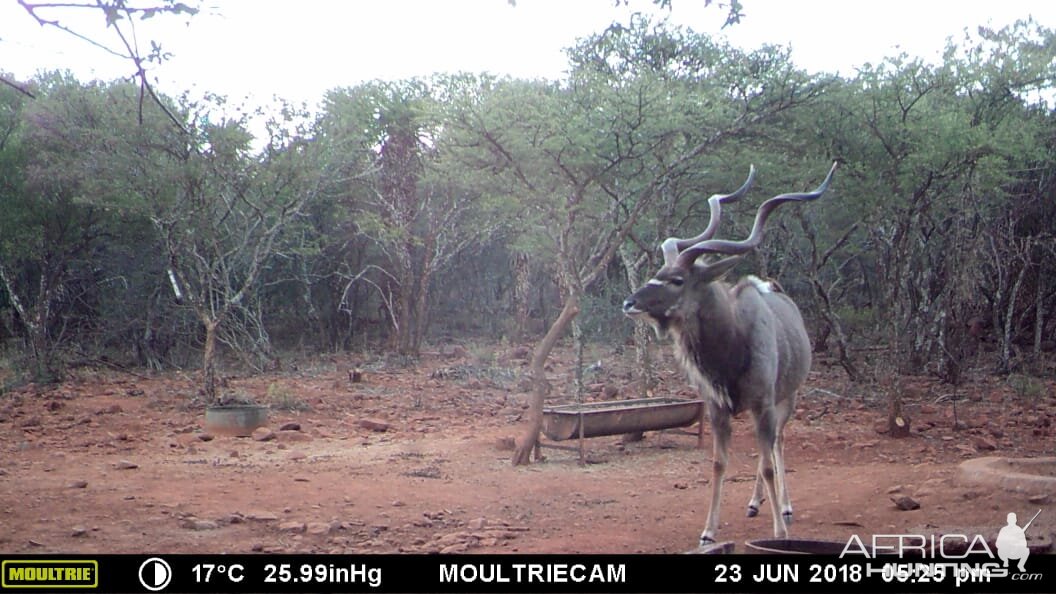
x: 843, y: 351
x: 421, y: 313
x: 642, y: 358
x: 1006, y: 334
x: 530, y: 438
x: 35, y: 321
x: 522, y: 294
x: 1039, y: 314
x: 577, y: 346
x: 209, y: 360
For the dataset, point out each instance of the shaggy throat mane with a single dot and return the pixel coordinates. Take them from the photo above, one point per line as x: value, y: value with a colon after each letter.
x: 709, y: 383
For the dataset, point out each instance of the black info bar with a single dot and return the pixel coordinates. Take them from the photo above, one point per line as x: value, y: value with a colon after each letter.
x: 519, y: 573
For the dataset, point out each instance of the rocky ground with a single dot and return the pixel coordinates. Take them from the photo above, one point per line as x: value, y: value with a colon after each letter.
x: 416, y: 459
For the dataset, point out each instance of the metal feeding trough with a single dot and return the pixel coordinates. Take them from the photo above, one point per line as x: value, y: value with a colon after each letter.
x: 796, y: 546
x: 580, y: 421
x: 595, y: 419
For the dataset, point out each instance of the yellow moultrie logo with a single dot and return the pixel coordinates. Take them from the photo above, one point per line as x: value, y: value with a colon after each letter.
x: 50, y: 573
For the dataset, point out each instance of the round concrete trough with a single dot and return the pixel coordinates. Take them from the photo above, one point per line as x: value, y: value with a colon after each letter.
x: 1024, y: 475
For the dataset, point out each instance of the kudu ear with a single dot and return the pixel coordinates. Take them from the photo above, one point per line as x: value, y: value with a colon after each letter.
x: 715, y: 270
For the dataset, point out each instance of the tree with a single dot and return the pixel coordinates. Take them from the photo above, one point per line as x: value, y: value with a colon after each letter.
x: 416, y: 207
x: 220, y: 211
x: 588, y: 159
x: 120, y: 17
x: 938, y: 161
x: 52, y: 221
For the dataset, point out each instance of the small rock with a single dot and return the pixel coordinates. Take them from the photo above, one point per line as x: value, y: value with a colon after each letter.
x: 197, y: 524
x: 895, y: 489
x: 318, y: 528
x: 78, y: 531
x: 297, y: 527
x: 291, y: 426
x: 292, y: 436
x: 374, y: 425
x: 31, y: 422
x: 113, y: 409
x: 1043, y: 499
x: 203, y: 436
x: 984, y: 444
x: 521, y: 353
x: 263, y: 434
x: 257, y: 547
x: 477, y: 524
x: 506, y: 444
x: 297, y: 455
x: 905, y: 503
x: 262, y: 516
x: 78, y: 484
x: 125, y: 465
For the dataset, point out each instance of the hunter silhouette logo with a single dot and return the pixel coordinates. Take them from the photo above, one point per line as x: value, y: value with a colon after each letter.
x: 1012, y: 541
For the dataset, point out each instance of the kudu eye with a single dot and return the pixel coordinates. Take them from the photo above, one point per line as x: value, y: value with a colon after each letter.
x: 676, y: 280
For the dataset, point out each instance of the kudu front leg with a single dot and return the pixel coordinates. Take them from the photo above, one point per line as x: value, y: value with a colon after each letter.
x: 721, y: 431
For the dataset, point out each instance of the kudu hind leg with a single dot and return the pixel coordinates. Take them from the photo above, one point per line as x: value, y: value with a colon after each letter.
x: 757, y: 493
x: 782, y: 480
x: 784, y: 412
x: 766, y: 434
x: 721, y: 431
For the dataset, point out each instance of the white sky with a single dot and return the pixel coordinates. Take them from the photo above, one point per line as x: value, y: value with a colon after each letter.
x: 299, y: 49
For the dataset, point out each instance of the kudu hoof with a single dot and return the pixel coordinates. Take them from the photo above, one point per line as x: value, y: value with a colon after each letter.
x: 787, y: 517
x: 706, y: 540
x: 752, y: 511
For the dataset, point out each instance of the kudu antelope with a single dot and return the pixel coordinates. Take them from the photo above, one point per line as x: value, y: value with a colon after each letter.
x: 743, y: 346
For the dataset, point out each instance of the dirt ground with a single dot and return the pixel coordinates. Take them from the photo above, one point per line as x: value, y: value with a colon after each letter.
x: 413, y: 459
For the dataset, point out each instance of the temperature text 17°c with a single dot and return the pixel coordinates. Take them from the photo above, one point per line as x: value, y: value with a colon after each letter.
x: 205, y: 573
